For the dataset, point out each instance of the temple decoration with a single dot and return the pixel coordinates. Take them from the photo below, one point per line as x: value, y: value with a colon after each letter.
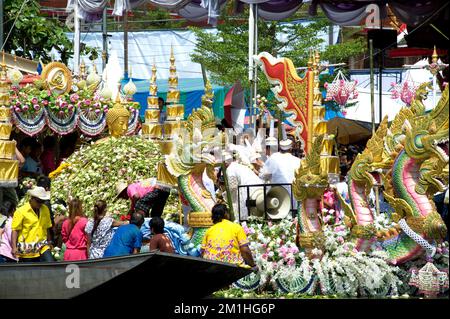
x: 117, y: 119
x: 411, y: 156
x: 15, y: 76
x: 404, y: 91
x: 174, y: 110
x: 190, y: 158
x: 430, y: 280
x: 9, y: 166
x: 294, y: 94
x: 57, y: 77
x: 64, y: 103
x: 151, y: 128
x: 341, y: 90
x: 317, y: 170
x: 130, y: 88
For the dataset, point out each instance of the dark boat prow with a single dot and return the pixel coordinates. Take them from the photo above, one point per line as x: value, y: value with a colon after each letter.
x: 156, y: 275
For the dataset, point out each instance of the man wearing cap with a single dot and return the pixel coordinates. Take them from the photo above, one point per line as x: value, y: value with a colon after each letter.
x: 31, y: 224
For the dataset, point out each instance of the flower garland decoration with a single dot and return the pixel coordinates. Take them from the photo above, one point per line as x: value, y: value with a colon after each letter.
x: 404, y: 91
x: 341, y: 90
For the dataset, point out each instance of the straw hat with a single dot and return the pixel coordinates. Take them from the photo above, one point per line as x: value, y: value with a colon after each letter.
x: 39, y: 192
x: 120, y: 187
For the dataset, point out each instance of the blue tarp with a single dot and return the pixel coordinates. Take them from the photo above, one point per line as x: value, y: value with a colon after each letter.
x: 191, y: 92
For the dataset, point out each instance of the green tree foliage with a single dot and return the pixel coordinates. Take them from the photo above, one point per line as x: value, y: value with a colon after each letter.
x: 34, y: 36
x: 225, y: 54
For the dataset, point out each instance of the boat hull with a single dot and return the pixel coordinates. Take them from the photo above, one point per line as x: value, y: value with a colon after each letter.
x: 157, y: 274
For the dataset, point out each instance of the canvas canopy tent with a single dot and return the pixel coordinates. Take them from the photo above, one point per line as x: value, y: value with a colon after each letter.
x: 349, y: 131
x: 352, y: 12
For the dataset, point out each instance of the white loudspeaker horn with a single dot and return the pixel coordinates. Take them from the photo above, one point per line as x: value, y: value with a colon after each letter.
x: 278, y: 203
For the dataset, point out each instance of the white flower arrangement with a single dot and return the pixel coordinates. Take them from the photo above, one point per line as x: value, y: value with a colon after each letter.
x: 95, y: 169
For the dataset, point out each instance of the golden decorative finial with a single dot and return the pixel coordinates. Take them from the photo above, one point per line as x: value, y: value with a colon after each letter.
x: 153, y: 86
x: 118, y: 100
x: 173, y: 96
x: 434, y: 57
x: 172, y: 57
x: 207, y: 99
x: 3, y: 70
x: 317, y: 57
x: 82, y: 69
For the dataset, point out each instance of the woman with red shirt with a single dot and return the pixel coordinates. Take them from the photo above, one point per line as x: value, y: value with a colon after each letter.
x: 73, y: 234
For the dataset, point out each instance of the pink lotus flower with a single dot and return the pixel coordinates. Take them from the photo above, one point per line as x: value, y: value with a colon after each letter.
x: 18, y: 110
x: 70, y: 107
x: 97, y: 111
x: 61, y: 113
x: 87, y: 102
x: 18, y: 104
x: 25, y: 108
x: 34, y: 100
x: 36, y: 107
x: 45, y: 102
x: 74, y: 98
x: 64, y: 104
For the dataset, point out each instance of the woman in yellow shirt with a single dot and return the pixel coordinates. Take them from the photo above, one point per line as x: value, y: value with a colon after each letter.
x: 226, y: 241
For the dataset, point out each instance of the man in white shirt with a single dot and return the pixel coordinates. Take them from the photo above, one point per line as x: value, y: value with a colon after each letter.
x: 239, y: 175
x: 280, y: 167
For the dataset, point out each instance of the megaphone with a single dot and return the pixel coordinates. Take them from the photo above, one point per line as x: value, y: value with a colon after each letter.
x: 277, y: 204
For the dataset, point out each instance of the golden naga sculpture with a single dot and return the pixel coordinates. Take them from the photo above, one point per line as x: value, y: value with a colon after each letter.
x: 117, y: 119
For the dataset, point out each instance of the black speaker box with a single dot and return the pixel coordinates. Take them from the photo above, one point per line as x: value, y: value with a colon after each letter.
x: 382, y: 39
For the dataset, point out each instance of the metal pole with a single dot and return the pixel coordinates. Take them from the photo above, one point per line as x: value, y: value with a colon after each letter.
x: 1, y: 23
x: 251, y: 48
x: 372, y: 86
x: 105, y: 40
x: 434, y: 90
x: 255, y: 69
x: 227, y: 189
x: 380, y: 88
x: 125, y: 44
x: 76, y: 44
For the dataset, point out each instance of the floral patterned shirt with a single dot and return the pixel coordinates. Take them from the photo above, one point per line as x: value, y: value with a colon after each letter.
x: 222, y: 241
x: 101, y: 238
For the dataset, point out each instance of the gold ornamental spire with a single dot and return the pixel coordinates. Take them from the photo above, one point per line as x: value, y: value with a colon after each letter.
x: 153, y: 85
x: 207, y: 98
x: 173, y: 96
x: 82, y: 69
x: 434, y: 57
x: 3, y: 65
